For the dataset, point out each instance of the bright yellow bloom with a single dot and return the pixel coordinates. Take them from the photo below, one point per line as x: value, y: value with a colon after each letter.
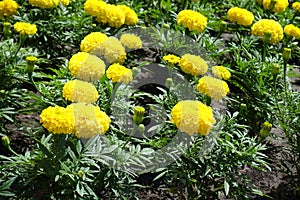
x: 31, y: 59
x: 268, y: 26
x: 192, y: 20
x: 192, y: 64
x: 80, y: 91
x: 131, y: 41
x: 45, y: 4
x: 65, y: 2
x: 221, y: 72
x: 25, y: 28
x: 131, y: 17
x: 94, y: 7
x: 112, y: 15
x: 8, y: 8
x: 192, y: 117
x: 171, y: 59
x: 296, y: 6
x: 119, y: 73
x: 58, y: 120
x: 89, y: 120
x: 213, y: 87
x: 112, y: 50
x: 86, y: 67
x: 240, y: 16
x: 92, y: 40
x: 278, y: 7
x: 292, y: 30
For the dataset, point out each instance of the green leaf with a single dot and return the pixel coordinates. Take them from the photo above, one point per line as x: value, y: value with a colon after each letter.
x: 226, y: 187
x: 6, y: 194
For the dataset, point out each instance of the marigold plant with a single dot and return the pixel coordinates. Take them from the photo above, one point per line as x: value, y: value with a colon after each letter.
x: 92, y: 40
x: 131, y: 17
x: 111, y: 50
x: 221, y: 72
x: 8, y: 8
x: 94, y: 7
x: 240, y: 16
x: 45, y: 4
x: 112, y: 15
x: 212, y: 87
x: 292, y: 30
x: 278, y: 7
x: 192, y: 64
x: 86, y: 67
x: 192, y: 117
x: 58, y: 120
x: 89, y: 120
x: 171, y: 59
x: 192, y: 20
x: 131, y: 41
x: 270, y: 26
x: 25, y: 28
x: 296, y: 6
x: 119, y: 73
x: 80, y: 91
x: 65, y: 2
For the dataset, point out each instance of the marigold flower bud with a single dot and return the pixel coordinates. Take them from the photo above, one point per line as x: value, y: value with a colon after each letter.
x: 80, y: 173
x: 141, y: 128
x: 169, y: 83
x: 30, y: 60
x: 6, y: 28
x: 5, y: 141
x: 275, y: 70
x: 265, y: 130
x: 286, y: 55
x: 138, y: 114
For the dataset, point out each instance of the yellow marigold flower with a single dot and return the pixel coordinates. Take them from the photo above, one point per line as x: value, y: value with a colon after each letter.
x: 192, y: 20
x: 131, y: 41
x: 268, y: 26
x: 25, y: 28
x: 8, y: 8
x: 192, y: 64
x: 192, y: 117
x: 65, y: 2
x: 89, y: 120
x: 92, y: 40
x: 112, y: 50
x: 171, y: 59
x: 213, y: 87
x: 80, y: 91
x: 58, y: 120
x: 94, y: 7
x: 221, y: 72
x: 45, y: 4
x: 86, y: 67
x: 112, y: 15
x: 131, y: 17
x: 278, y: 7
x: 296, y: 6
x: 292, y: 30
x: 119, y: 73
x: 240, y: 16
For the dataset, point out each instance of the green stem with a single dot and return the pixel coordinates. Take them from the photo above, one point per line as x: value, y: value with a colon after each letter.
x: 132, y: 133
x: 21, y: 42
x: 284, y: 77
x: 264, y: 51
x: 11, y: 150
